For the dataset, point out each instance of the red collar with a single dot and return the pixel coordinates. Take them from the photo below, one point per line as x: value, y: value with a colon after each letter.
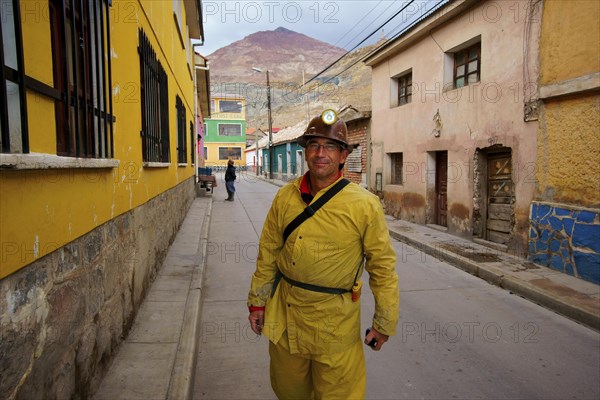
x: 305, y: 187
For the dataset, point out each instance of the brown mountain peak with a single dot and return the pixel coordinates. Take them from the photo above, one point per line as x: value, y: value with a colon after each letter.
x: 283, y: 52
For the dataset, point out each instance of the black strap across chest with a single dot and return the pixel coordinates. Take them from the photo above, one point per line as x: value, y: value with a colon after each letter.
x: 311, y: 209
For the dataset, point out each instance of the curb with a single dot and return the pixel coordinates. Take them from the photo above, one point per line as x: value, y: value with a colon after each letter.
x: 516, y: 286
x: 181, y: 382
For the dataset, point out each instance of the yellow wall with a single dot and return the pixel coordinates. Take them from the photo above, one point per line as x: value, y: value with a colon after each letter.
x: 569, y: 152
x: 42, y: 210
x: 570, y: 41
x: 569, y: 128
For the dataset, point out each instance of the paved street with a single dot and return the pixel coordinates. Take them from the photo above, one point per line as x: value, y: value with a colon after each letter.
x: 458, y: 336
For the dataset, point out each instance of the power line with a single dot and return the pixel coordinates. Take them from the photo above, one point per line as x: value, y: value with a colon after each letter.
x: 351, y: 29
x: 380, y: 46
x: 361, y: 42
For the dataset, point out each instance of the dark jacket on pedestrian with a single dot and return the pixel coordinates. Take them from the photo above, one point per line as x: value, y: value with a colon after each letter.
x: 230, y: 173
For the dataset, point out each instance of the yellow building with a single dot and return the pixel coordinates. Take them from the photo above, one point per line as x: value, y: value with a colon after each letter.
x: 565, y: 218
x: 99, y: 126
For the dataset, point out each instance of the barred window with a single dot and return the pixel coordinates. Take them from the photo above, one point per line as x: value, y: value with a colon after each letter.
x: 181, y: 131
x: 80, y: 36
x: 230, y: 130
x: 13, y: 110
x: 155, y: 104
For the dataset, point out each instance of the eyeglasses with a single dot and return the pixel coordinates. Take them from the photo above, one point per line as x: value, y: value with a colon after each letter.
x: 328, y: 147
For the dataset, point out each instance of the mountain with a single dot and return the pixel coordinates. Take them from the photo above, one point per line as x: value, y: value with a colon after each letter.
x: 283, y: 52
x: 286, y: 54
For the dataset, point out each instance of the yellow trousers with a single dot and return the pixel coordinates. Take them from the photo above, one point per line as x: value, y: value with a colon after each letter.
x: 304, y: 376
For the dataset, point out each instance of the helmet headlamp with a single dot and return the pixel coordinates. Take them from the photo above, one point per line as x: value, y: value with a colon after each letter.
x: 329, y: 116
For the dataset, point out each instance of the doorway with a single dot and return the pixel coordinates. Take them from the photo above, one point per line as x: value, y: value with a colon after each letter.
x: 441, y: 188
x: 500, y: 197
x: 299, y: 163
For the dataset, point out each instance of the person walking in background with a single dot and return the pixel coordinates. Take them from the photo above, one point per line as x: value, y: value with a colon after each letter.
x: 319, y: 234
x: 229, y: 179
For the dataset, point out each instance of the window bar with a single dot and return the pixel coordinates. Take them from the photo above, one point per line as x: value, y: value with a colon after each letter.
x: 155, y: 105
x: 108, y: 84
x: 97, y: 110
x: 164, y: 112
x: 155, y: 108
x: 144, y: 92
x: 183, y: 138
x: 21, y: 73
x: 192, y: 147
x: 66, y: 95
x: 178, y: 119
x: 151, y: 102
x: 182, y: 135
x: 84, y: 26
x: 3, y: 95
x: 142, y: 95
x: 149, y: 91
x: 74, y: 68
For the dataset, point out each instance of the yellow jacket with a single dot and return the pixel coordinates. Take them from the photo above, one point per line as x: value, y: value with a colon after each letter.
x: 326, y: 250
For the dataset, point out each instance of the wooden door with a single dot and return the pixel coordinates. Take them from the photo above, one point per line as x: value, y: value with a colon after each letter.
x: 441, y: 188
x: 500, y: 197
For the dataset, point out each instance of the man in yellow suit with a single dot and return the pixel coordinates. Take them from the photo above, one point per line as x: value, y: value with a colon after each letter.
x: 306, y: 288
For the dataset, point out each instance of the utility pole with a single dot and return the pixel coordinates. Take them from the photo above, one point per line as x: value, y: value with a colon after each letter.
x: 270, y: 127
x: 270, y: 122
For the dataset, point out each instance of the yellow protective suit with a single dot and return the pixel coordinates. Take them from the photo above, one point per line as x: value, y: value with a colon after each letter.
x: 326, y: 250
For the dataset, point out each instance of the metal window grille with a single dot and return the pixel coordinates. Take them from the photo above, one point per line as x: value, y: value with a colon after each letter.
x: 80, y: 36
x: 155, y: 104
x: 181, y: 139
x: 13, y: 111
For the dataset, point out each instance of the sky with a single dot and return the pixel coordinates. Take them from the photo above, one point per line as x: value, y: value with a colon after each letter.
x: 341, y: 23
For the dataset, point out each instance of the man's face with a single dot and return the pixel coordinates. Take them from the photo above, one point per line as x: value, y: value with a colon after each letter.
x: 323, y: 157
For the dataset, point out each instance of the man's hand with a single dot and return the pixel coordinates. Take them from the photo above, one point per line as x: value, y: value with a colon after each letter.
x: 380, y: 338
x: 257, y: 320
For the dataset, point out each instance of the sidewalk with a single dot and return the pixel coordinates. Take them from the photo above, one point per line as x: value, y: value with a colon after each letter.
x: 156, y: 361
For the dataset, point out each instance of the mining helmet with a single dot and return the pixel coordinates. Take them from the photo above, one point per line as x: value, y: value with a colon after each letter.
x: 327, y: 126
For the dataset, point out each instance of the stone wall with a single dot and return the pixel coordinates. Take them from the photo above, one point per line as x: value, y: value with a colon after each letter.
x: 63, y: 316
x: 566, y: 238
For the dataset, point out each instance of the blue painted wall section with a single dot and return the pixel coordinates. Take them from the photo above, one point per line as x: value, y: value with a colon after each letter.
x: 566, y: 239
